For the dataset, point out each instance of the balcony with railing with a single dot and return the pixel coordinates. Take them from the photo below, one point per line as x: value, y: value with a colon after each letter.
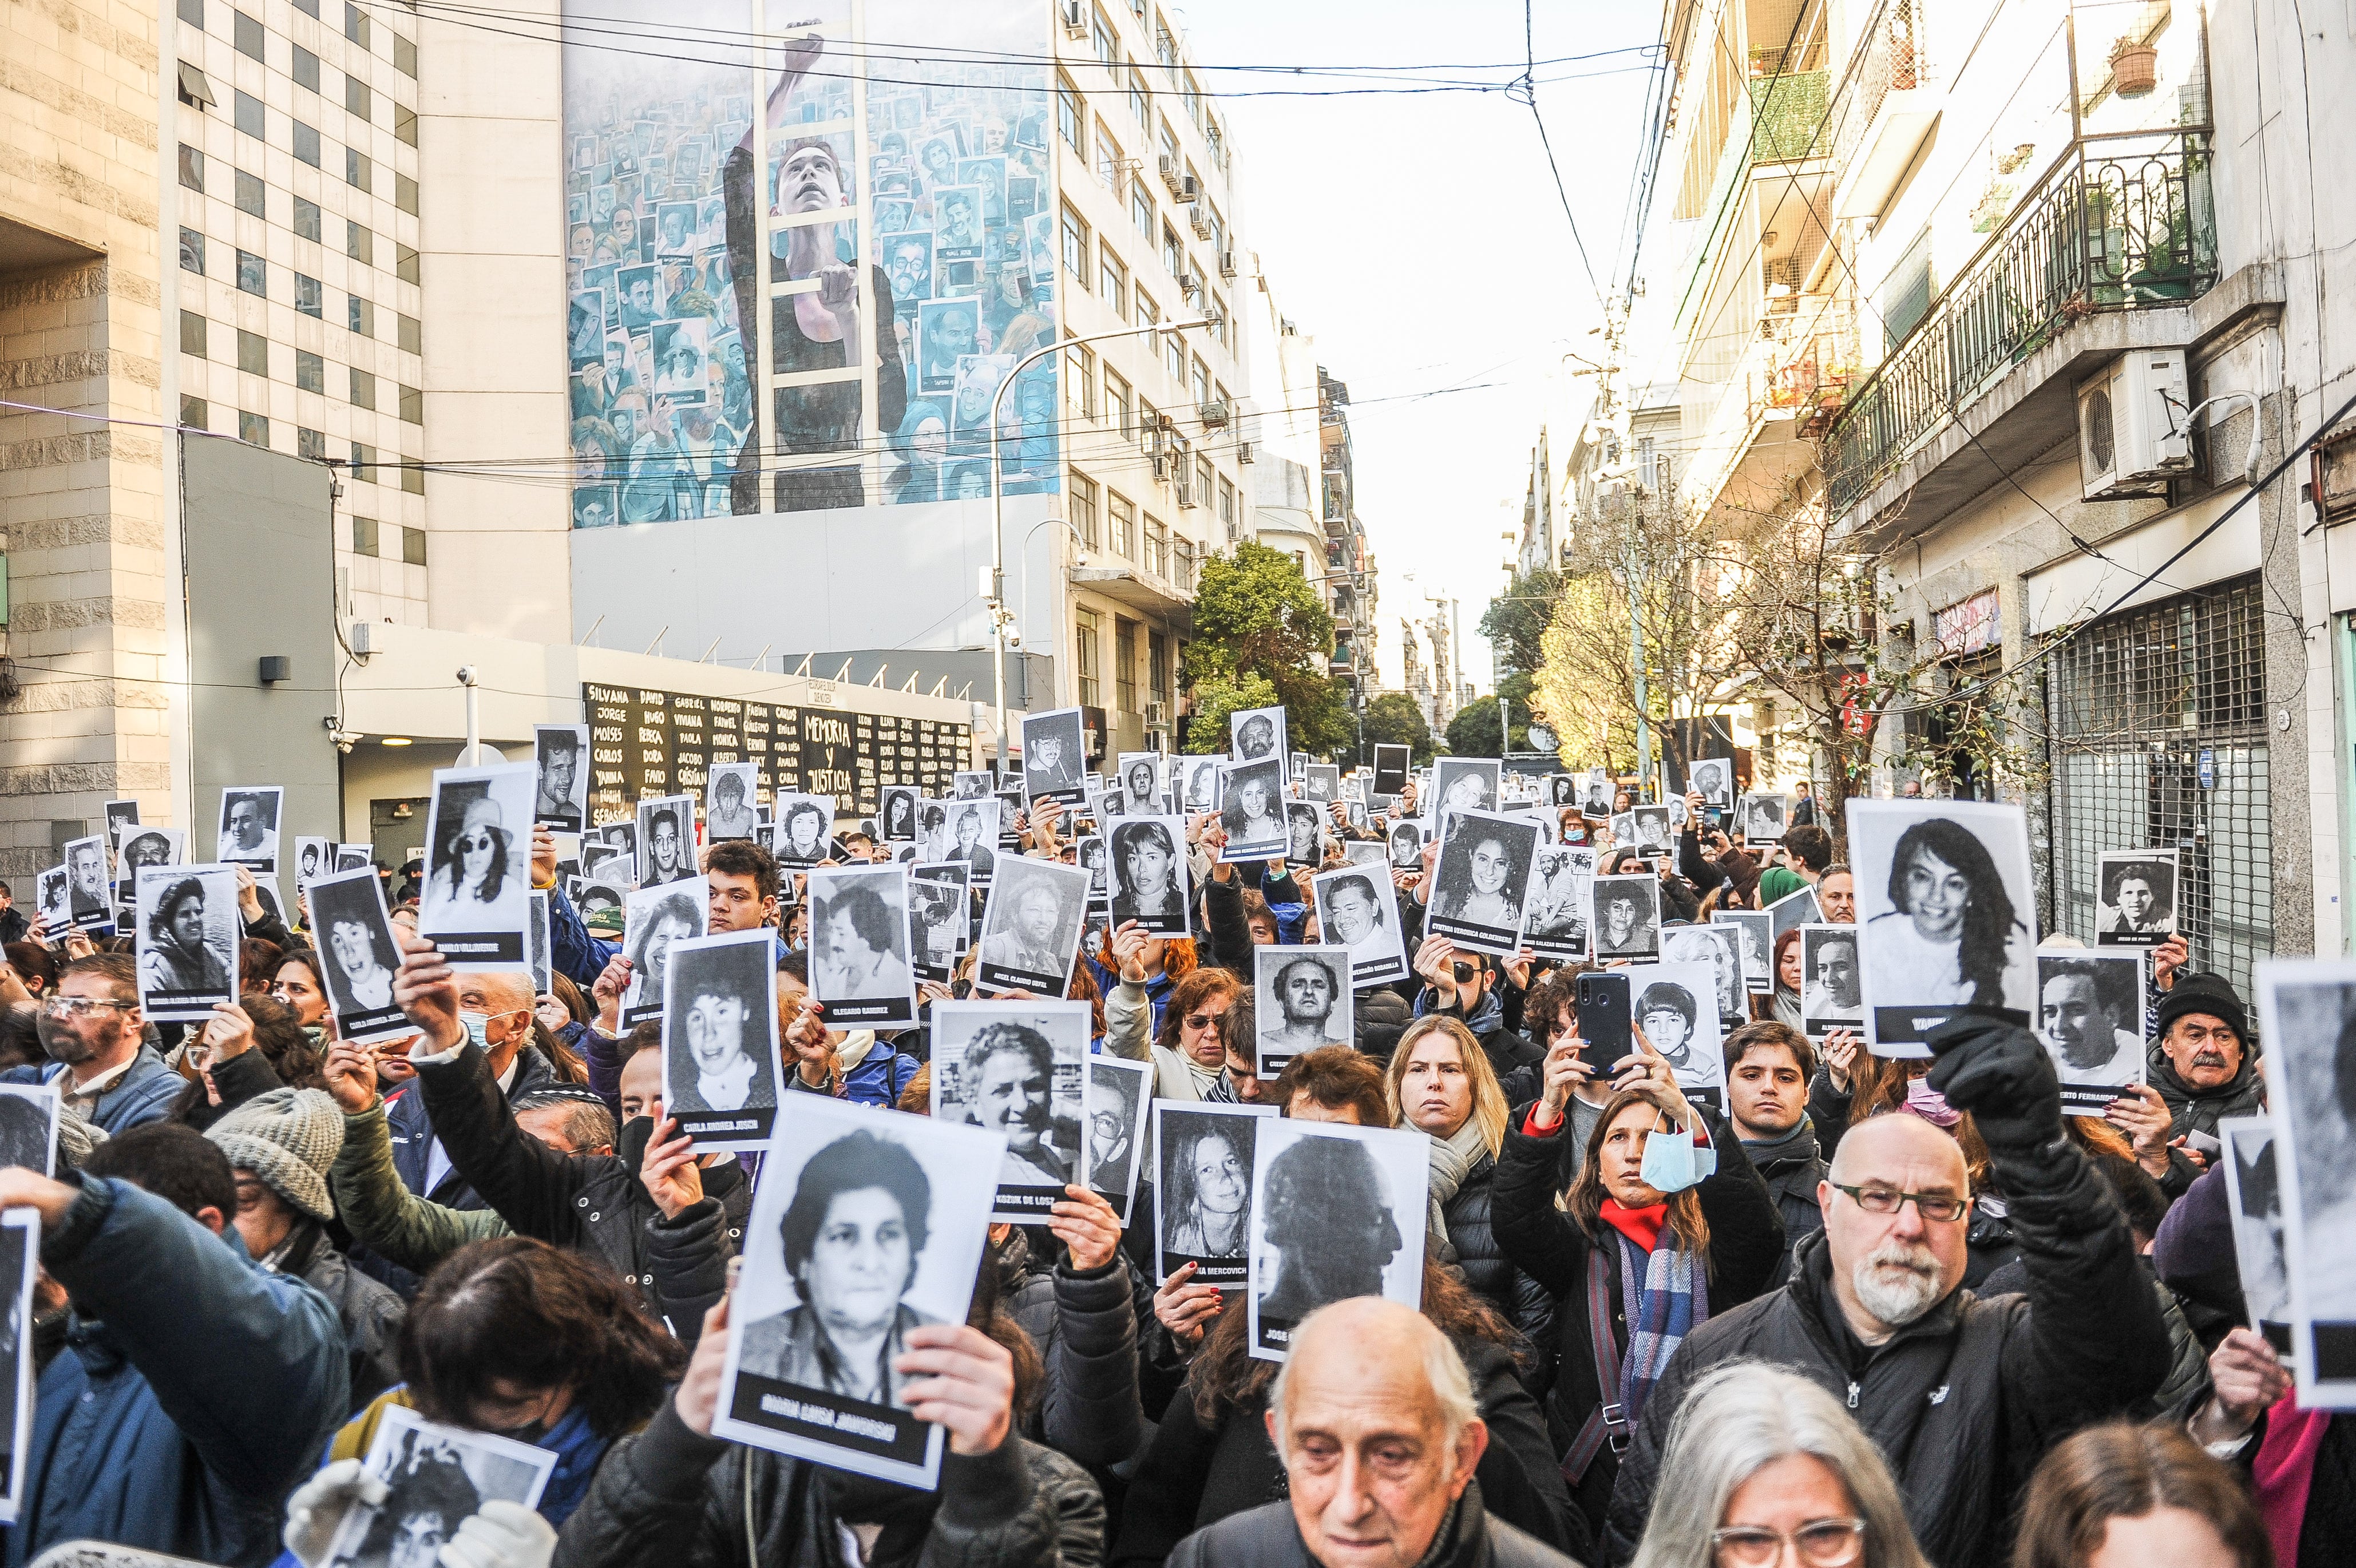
x: 2119, y: 223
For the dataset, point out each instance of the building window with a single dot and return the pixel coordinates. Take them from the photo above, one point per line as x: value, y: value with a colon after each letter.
x: 310, y: 444
x: 192, y: 169
x: 360, y: 243
x: 250, y: 198
x: 1157, y: 546
x: 306, y: 143
x: 1120, y: 516
x: 307, y: 68
x: 192, y: 12
x: 363, y: 389
x: 252, y: 353
x: 356, y: 23
x: 1140, y: 212
x: 1112, y: 281
x: 404, y: 126
x: 310, y: 372
x: 357, y: 98
x: 360, y: 316
x: 1192, y: 93
x: 1124, y: 664
x: 246, y: 33
x: 192, y: 333
x: 1100, y: 33
x: 364, y: 462
x: 1084, y: 656
x: 363, y: 536
x: 404, y: 193
x: 1227, y: 507
x: 1148, y: 312
x: 1165, y: 49
x: 413, y: 482
x: 404, y: 56
x: 253, y: 275
x: 194, y: 413
x: 1108, y: 159
x: 408, y: 336
x: 1079, y: 385
x: 1217, y: 140
x: 1202, y: 383
x: 308, y: 296
x: 192, y: 252
x: 1173, y: 255
x: 1075, y: 246
x: 246, y: 111
x: 1173, y: 355
x: 1148, y: 421
x: 412, y: 405
x: 1204, y: 477
x: 405, y: 261
x: 307, y: 219
x: 1183, y: 564
x: 413, y: 539
x: 1157, y: 669
x: 1068, y: 117
x: 357, y: 173
x: 1118, y: 402
x: 1136, y: 93
x: 253, y: 428
x: 1083, y: 493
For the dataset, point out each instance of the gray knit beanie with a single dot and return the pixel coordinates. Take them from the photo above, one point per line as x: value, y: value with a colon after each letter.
x: 287, y: 1138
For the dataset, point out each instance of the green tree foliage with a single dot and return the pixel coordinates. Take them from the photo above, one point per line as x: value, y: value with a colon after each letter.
x: 1473, y: 731
x: 1259, y: 627
x: 1393, y: 719
x: 1516, y: 620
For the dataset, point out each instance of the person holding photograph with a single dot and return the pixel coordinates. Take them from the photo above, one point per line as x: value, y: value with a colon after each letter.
x: 2203, y: 1066
x: 470, y: 865
x: 98, y: 1060
x: 1210, y: 1204
x: 2089, y: 1047
x: 1325, y: 1213
x: 181, y: 957
x: 1954, y: 937
x: 1149, y: 873
x: 1481, y: 897
x: 726, y: 1076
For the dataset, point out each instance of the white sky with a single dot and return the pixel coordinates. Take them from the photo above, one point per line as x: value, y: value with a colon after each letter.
x: 1418, y: 238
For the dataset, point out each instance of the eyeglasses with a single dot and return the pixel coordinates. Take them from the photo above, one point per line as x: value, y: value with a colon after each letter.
x: 1203, y: 1020
x: 1888, y: 1200
x: 1820, y: 1542
x: 81, y: 1007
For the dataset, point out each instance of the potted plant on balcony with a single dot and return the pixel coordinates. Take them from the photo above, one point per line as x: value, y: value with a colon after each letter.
x: 2135, y: 68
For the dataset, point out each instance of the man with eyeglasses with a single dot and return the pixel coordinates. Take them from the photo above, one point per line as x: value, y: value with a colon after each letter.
x: 94, y: 1036
x: 1961, y: 1392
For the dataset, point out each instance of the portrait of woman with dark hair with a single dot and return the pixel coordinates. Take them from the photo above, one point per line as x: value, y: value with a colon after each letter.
x: 1479, y: 885
x: 1252, y: 813
x: 672, y: 916
x: 470, y: 864
x: 432, y: 1495
x: 180, y: 957
x: 1146, y: 877
x: 1953, y: 938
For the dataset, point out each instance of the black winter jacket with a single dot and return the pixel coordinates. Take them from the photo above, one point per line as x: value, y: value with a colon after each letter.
x: 2191, y: 1110
x: 1964, y: 1400
x: 1524, y: 1303
x: 1268, y: 1537
x: 1791, y: 1172
x: 1084, y: 1327
x: 1746, y: 1239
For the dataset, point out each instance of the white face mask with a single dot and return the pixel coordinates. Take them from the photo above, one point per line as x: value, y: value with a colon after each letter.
x: 1673, y: 1162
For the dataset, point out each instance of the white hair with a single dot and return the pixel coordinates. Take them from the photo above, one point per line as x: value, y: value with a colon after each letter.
x: 1443, y: 1369
x: 1734, y: 1423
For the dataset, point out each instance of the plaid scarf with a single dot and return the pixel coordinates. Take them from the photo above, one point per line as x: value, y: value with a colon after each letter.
x: 1671, y: 1302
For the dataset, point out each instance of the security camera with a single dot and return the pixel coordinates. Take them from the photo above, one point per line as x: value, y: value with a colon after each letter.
x: 466, y: 674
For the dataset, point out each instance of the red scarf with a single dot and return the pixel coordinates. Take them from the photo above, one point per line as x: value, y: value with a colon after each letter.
x: 2284, y: 1471
x: 1642, y: 1226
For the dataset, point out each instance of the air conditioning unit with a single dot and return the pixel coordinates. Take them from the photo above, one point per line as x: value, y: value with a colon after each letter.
x: 1189, y: 187
x: 1228, y: 266
x: 1189, y: 285
x: 1214, y: 416
x: 2131, y: 431
x: 1245, y: 451
x: 1185, y: 490
x: 1075, y: 21
x: 1171, y: 175
x: 1199, y: 216
x: 1157, y: 714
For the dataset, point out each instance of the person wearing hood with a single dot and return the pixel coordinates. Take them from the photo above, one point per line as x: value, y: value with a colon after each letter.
x: 860, y: 1065
x: 1768, y: 1066
x: 2203, y: 1067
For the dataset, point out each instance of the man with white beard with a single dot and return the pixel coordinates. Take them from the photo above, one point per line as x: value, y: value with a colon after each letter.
x: 1962, y: 1393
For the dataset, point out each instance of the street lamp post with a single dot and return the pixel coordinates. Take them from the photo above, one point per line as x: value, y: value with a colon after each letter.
x: 996, y: 598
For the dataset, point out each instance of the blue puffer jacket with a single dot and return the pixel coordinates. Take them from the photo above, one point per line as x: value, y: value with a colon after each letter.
x: 176, y: 1420
x: 143, y: 1093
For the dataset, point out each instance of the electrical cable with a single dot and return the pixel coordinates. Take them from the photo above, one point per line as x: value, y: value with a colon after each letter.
x: 1525, y: 90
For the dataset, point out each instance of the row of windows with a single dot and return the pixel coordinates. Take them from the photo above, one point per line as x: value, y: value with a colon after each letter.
x: 388, y: 540
x: 366, y: 464
x: 359, y: 173
x: 1112, y: 284
x: 310, y: 296
x: 1105, y: 41
x: 1089, y: 668
x: 359, y: 243
x: 1071, y: 119
x: 247, y: 113
x: 1113, y: 525
x: 246, y: 33
x: 362, y: 387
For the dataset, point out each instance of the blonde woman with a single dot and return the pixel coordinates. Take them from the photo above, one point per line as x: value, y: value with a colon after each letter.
x: 1441, y: 1083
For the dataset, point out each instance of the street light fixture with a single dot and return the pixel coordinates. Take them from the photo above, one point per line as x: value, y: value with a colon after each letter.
x: 996, y: 598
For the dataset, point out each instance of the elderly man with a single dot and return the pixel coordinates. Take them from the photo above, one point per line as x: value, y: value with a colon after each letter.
x: 1374, y: 1418
x: 1962, y: 1393
x: 2201, y: 1067
x: 495, y: 1013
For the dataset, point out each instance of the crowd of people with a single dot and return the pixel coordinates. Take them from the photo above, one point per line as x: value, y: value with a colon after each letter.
x: 1877, y: 1312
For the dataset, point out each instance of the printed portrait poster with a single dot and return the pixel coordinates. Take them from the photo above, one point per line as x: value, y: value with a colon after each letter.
x: 1595, y: 796
x: 2089, y: 1019
x: 1627, y: 917
x: 1203, y: 775
x: 1202, y: 1190
x: 1652, y: 826
x: 314, y: 858
x: 1252, y: 811
x: 1141, y: 786
x: 357, y: 946
x: 1405, y: 840
x: 1965, y: 932
x: 1303, y: 1002
x: 1462, y: 784
x: 1304, y: 832
x: 187, y: 940
x: 1090, y: 854
x: 49, y: 898
x: 666, y: 839
x: 859, y: 938
x: 1720, y: 947
x: 1481, y: 879
x: 2306, y: 1016
x: 1561, y: 894
x: 897, y: 818
x: 437, y: 1477
x: 839, y: 1182
x: 1031, y: 927
x: 1561, y: 791
x: 939, y: 917
x: 1147, y: 859
x: 1712, y: 778
x: 249, y: 827
x: 1116, y: 1098
x: 805, y: 824
x: 654, y: 919
x: 2135, y: 898
x: 1257, y: 735
x: 1791, y: 911
x: 477, y: 906
x: 730, y: 810
x: 1357, y: 908
x: 28, y: 1126
x: 2254, y: 1197
x: 1015, y: 1069
x: 1756, y: 929
x: 122, y: 814
x: 1832, y: 993
x: 1390, y: 769
x: 1321, y: 782
x: 352, y: 856
x: 720, y: 1038
x: 135, y: 846
x: 560, y: 799
x: 537, y: 943
x: 20, y: 1242
x: 89, y: 890
x: 1764, y: 817
x: 1054, y: 758
x: 1337, y: 1212
x: 1675, y: 1006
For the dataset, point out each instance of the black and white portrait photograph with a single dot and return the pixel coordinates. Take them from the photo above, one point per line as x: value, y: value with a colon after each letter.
x: 1462, y: 784
x: 1321, y: 782
x: 969, y: 786
x: 1031, y: 927
x: 968, y: 833
x: 1764, y: 817
x: 859, y: 938
x: 49, y: 898
x: 1390, y: 769
x: 1948, y: 913
x: 1357, y: 908
x: 1406, y: 839
x: 187, y: 940
x: 1202, y: 1189
x: 435, y: 1477
x: 1561, y: 791
x: 1140, y: 786
x: 560, y: 798
x: 2135, y: 898
x: 1149, y: 873
x: 1675, y: 806
x: 1652, y: 825
x: 1115, y: 1099
x: 804, y: 826
x: 90, y: 891
x: 1202, y: 776
x: 666, y: 839
x: 28, y: 1127
x: 1595, y: 796
x: 1675, y: 1005
x: 1831, y: 983
x: 249, y: 827
x: 2307, y: 1016
x: 355, y: 935
x: 135, y: 846
x: 477, y: 905
x: 1623, y: 827
x: 897, y: 815
x: 939, y: 917
x: 1303, y: 1003
x: 866, y: 1225
x: 122, y: 814
x: 1015, y: 1069
x: 1755, y: 930
x: 622, y: 835
x: 20, y: 1244
x: 352, y: 856
x: 1253, y: 811
x: 1481, y: 879
x: 314, y: 858
x: 1092, y: 854
x: 1791, y: 911
x: 730, y: 810
x: 2253, y: 1197
x: 1561, y: 894
x: 1337, y: 1212
x: 1304, y: 832
x: 1627, y: 917
x: 1254, y: 734
x: 720, y: 1037
x: 2089, y: 1018
x: 1055, y: 756
x: 654, y: 919
x: 1720, y: 947
x: 1712, y: 778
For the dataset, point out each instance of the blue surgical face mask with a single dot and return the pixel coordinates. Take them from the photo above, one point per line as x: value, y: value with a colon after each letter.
x: 1674, y: 1163
x: 477, y: 1027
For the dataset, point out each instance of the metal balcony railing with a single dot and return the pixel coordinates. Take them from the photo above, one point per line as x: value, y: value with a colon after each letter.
x: 2119, y: 223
